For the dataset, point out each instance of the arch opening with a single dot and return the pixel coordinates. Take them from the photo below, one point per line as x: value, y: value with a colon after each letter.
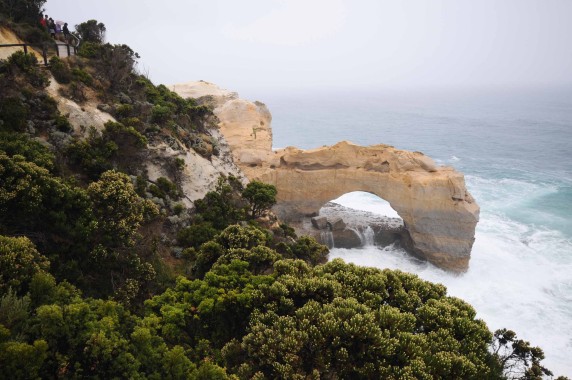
x: 358, y: 219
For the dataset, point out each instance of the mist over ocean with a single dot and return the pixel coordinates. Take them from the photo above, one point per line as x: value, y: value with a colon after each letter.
x: 515, y: 149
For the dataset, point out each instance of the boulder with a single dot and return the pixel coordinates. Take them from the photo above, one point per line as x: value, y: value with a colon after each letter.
x: 346, y: 239
x: 320, y: 222
x: 336, y: 224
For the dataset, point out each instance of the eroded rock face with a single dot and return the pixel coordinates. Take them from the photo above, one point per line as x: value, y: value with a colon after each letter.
x: 438, y: 211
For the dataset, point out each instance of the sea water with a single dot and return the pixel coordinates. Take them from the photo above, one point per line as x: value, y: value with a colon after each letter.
x: 515, y: 149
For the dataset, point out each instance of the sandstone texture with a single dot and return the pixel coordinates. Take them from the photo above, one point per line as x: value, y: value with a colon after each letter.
x: 81, y: 116
x: 438, y: 212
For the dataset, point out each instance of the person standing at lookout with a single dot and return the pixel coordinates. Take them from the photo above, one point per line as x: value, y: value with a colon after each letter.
x: 66, y: 33
x: 58, y: 31
x: 43, y: 21
x: 52, y: 28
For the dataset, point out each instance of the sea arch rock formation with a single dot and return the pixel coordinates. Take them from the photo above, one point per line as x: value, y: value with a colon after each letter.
x: 438, y: 211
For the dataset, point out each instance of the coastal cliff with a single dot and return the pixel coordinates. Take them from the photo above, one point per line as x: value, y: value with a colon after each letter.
x: 439, y: 213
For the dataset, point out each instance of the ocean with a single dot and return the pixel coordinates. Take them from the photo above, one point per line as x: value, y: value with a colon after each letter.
x: 514, y: 147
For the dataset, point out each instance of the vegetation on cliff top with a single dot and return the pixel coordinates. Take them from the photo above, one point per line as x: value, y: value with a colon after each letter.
x: 98, y: 280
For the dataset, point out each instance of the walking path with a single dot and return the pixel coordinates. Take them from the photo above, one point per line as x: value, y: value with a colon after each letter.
x: 64, y: 50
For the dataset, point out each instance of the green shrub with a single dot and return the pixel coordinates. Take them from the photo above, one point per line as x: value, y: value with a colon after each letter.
x: 178, y: 209
x: 309, y: 250
x: 124, y: 135
x: 82, y: 76
x: 288, y: 231
x: 140, y: 185
x: 160, y: 114
x: 196, y: 234
x: 25, y: 64
x: 93, y: 155
x: 168, y: 188
x: 155, y: 191
x: 19, y: 262
x: 89, y: 49
x: 60, y: 70
x: 236, y: 236
x: 261, y: 197
x: 224, y: 206
x: 132, y: 122
x: 20, y: 144
x: 124, y: 110
x: 14, y: 113
x: 63, y: 124
x: 179, y: 163
x: 91, y: 31
x: 23, y: 61
x: 77, y: 91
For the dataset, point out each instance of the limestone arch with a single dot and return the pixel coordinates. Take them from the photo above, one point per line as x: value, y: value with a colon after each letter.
x: 439, y: 214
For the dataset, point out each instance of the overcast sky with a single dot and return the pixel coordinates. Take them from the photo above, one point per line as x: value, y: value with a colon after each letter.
x: 278, y: 44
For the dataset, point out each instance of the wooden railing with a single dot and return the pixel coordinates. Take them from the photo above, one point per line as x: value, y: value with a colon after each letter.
x: 70, y: 49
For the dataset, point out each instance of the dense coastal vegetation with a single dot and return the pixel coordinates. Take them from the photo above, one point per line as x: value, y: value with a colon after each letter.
x: 107, y: 274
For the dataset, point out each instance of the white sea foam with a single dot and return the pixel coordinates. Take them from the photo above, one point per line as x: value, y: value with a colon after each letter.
x: 520, y: 277
x: 520, y: 272
x: 360, y: 200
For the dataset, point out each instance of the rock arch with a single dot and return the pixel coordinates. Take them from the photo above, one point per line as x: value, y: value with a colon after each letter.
x: 438, y: 211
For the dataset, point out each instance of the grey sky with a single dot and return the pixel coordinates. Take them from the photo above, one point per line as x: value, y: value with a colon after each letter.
x: 281, y: 44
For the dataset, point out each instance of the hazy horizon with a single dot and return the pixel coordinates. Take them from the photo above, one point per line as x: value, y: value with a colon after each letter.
x: 260, y: 45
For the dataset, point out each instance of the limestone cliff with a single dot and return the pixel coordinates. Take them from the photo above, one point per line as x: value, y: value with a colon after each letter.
x: 438, y: 211
x: 199, y: 174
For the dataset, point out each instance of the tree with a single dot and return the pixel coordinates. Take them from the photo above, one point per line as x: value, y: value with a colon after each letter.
x: 22, y: 10
x: 118, y: 64
x: 19, y: 262
x: 517, y: 358
x: 344, y: 321
x: 261, y: 197
x: 119, y: 210
x: 223, y: 206
x: 91, y: 31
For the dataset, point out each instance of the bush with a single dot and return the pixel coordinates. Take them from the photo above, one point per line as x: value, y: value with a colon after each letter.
x: 23, y: 61
x: 224, y: 206
x: 63, y: 124
x: 14, y: 113
x: 60, y: 70
x: 82, y: 76
x: 196, y: 234
x: 26, y: 64
x: 161, y: 114
x: 91, y: 31
x: 20, y: 144
x: 309, y: 250
x: 261, y: 197
x: 123, y: 110
x: 89, y: 49
x: 19, y: 262
x: 168, y: 188
x: 236, y: 236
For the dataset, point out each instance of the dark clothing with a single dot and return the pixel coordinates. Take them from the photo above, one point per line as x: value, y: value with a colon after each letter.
x: 52, y: 28
x: 66, y: 31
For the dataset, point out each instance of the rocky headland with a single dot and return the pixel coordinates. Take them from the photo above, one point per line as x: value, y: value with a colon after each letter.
x: 439, y: 214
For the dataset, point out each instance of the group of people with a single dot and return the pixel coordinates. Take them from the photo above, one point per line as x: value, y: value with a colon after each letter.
x: 55, y: 28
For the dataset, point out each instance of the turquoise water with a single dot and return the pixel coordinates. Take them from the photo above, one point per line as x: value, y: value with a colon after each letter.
x: 515, y: 148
